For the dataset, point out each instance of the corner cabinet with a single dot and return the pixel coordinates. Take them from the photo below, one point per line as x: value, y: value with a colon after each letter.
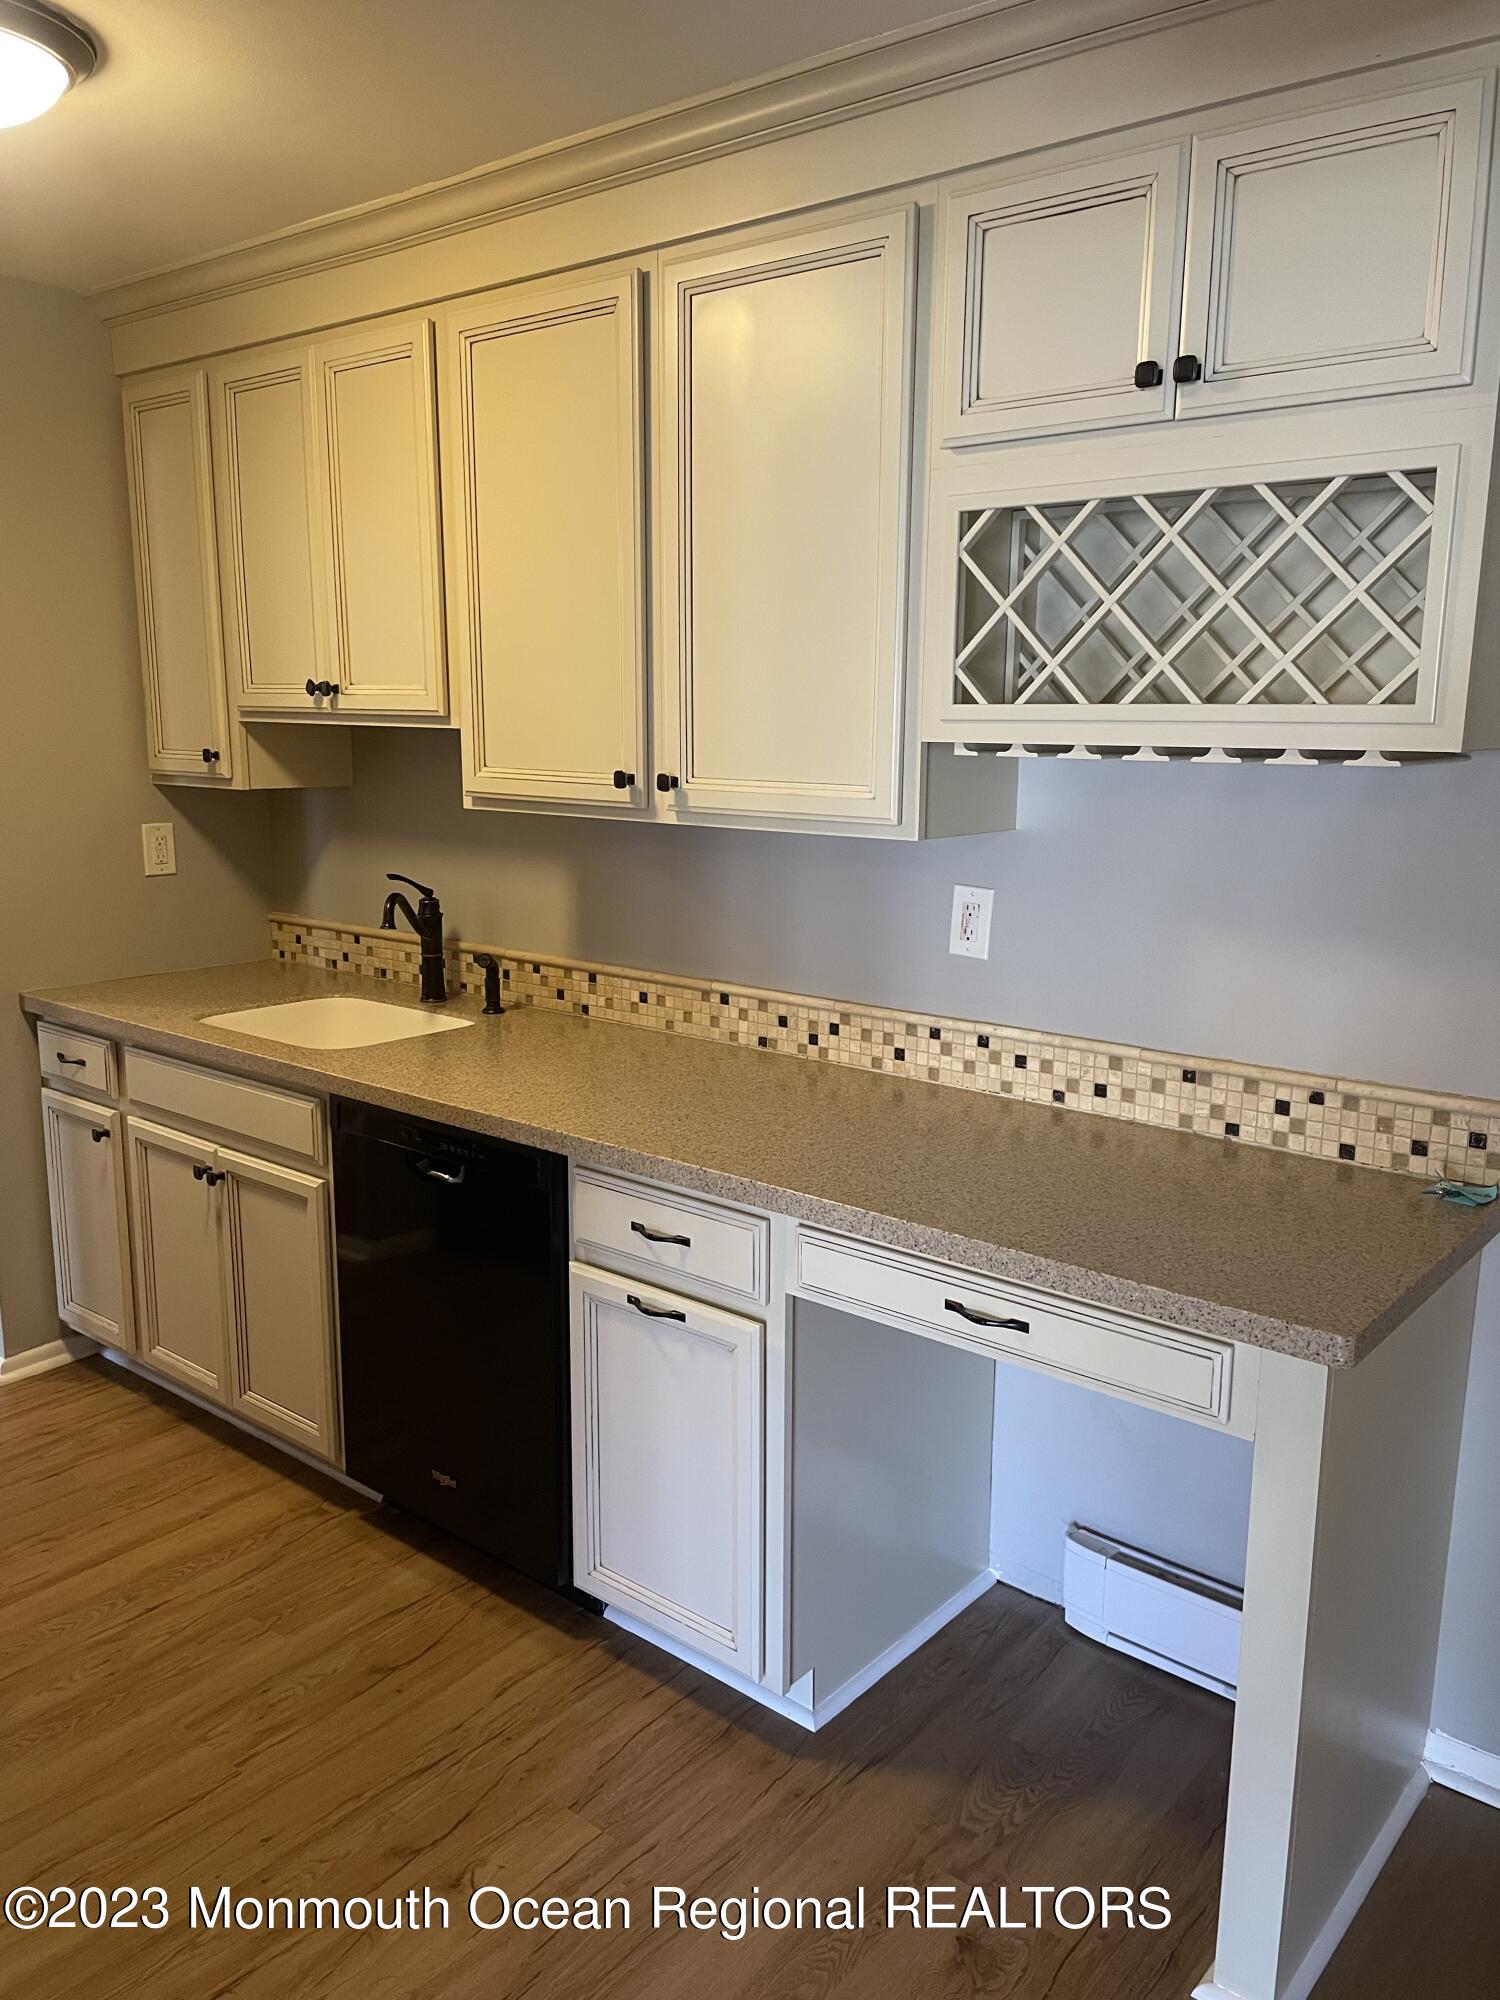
x: 90, y: 1245
x: 544, y: 436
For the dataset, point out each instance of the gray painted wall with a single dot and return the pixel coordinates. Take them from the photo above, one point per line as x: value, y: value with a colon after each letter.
x: 73, y: 787
x: 1323, y: 919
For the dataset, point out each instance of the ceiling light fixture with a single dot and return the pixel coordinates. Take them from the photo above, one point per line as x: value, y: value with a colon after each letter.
x: 41, y: 56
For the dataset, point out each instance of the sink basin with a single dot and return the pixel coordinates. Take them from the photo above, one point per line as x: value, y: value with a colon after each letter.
x: 335, y: 1022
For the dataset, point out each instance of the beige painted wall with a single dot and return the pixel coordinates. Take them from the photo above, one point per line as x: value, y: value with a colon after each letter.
x: 73, y: 788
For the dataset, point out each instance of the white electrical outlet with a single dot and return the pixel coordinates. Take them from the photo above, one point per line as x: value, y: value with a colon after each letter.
x: 160, y: 847
x: 970, y: 936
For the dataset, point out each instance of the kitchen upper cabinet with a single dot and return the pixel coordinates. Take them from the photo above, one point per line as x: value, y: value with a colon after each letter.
x: 279, y: 1296
x: 544, y: 446
x: 785, y: 427
x: 170, y: 482
x: 375, y: 425
x: 668, y: 1481
x: 1336, y: 253
x: 273, y: 584
x: 1060, y: 299
x: 326, y: 475
x: 175, y: 1226
x: 90, y: 1236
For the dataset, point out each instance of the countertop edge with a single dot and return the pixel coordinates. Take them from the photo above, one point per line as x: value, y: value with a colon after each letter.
x: 1090, y: 1287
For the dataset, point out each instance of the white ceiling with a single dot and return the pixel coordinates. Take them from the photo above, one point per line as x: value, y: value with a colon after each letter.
x: 212, y: 121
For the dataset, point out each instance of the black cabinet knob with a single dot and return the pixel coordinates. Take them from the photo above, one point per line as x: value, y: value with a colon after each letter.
x: 1187, y: 368
x: 98, y: 1132
x: 210, y: 756
x: 322, y: 687
x: 624, y: 780
x: 1148, y: 374
x: 664, y: 783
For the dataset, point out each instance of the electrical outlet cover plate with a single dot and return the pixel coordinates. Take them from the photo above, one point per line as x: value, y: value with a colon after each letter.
x: 160, y: 847
x: 970, y: 935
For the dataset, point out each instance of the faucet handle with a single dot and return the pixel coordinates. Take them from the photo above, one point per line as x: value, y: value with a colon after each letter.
x: 420, y: 887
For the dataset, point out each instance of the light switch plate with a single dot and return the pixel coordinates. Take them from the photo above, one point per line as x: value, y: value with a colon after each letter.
x: 970, y: 935
x: 160, y: 847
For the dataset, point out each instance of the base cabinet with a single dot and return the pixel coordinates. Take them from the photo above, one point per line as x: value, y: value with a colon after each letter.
x: 234, y: 1289
x: 86, y: 1186
x: 668, y: 1463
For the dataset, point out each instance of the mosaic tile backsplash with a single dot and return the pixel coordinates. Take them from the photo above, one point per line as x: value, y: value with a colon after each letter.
x: 1331, y: 1118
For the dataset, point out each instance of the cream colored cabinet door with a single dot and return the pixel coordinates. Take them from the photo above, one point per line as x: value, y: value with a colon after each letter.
x: 90, y: 1229
x: 376, y: 431
x: 543, y: 491
x: 1336, y: 253
x: 269, y: 556
x: 667, y: 1463
x: 280, y: 1298
x: 783, y: 488
x: 1060, y: 297
x: 175, y: 1229
x: 169, y: 475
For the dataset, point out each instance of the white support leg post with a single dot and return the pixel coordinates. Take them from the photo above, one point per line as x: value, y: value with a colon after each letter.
x: 1350, y: 1512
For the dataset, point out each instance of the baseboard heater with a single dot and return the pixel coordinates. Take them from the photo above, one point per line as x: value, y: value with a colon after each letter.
x: 1153, y: 1609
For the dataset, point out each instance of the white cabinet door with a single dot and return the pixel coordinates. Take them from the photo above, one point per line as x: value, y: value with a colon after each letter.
x: 175, y: 1227
x: 170, y: 482
x: 1336, y: 253
x: 543, y: 489
x: 270, y: 566
x: 376, y: 431
x: 1060, y: 299
x: 280, y: 1298
x: 90, y: 1232
x: 785, y: 440
x: 667, y: 1463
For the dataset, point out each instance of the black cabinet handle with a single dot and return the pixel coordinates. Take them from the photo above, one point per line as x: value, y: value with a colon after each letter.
x: 984, y: 1319
x: 664, y: 783
x: 99, y: 1132
x: 661, y: 1235
x: 653, y: 1312
x: 1148, y: 374
x: 210, y: 756
x: 448, y: 1176
x: 199, y: 1170
x: 624, y: 780
x: 74, y: 1062
x: 323, y: 687
x: 1187, y: 368
x: 213, y: 1178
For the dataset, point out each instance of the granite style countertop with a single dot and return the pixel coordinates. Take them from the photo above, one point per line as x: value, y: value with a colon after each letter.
x: 1305, y: 1256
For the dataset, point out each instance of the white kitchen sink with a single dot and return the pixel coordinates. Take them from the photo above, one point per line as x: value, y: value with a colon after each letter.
x: 335, y: 1022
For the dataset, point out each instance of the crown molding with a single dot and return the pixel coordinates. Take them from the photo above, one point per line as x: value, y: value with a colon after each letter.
x: 982, y: 42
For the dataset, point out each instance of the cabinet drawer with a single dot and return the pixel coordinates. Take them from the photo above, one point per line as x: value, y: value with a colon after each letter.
x: 669, y: 1234
x: 255, y: 1111
x: 81, y: 1061
x: 1161, y: 1365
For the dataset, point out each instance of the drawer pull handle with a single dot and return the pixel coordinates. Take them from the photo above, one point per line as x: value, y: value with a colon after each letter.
x: 98, y: 1132
x: 74, y: 1062
x: 985, y: 1319
x: 661, y: 1235
x: 653, y: 1312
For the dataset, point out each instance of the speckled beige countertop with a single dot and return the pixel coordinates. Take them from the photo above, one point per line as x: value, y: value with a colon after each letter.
x: 1300, y: 1255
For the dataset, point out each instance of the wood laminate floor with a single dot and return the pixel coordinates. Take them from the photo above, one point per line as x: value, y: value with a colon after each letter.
x: 214, y: 1673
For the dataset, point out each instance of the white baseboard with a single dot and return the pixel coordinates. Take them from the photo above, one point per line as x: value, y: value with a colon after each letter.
x: 41, y: 1360
x: 1035, y: 1582
x: 1344, y: 1911
x: 823, y: 1711
x: 1464, y: 1767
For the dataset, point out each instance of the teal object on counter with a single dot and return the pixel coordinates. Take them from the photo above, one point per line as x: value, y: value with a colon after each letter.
x: 1461, y: 1196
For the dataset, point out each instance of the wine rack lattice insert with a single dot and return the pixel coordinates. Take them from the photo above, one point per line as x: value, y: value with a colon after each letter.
x: 1305, y: 592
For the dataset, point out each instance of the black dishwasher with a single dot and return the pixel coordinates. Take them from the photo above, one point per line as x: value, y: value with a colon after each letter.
x: 453, y: 1330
